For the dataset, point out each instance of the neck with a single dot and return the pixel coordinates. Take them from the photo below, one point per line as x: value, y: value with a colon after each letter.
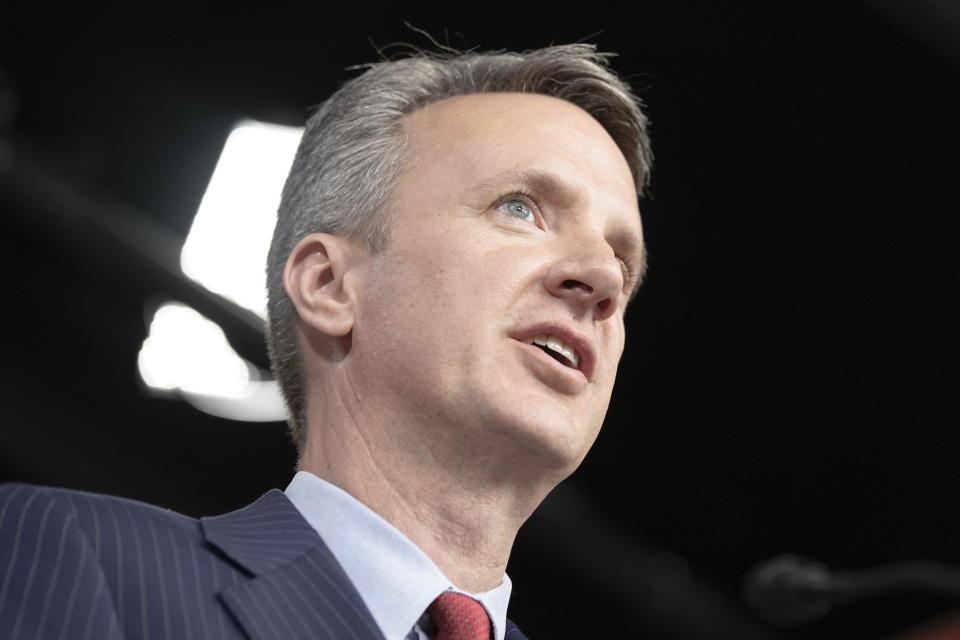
x: 461, y: 505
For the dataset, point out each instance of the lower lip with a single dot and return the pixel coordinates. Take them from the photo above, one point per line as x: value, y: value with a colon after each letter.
x: 555, y: 375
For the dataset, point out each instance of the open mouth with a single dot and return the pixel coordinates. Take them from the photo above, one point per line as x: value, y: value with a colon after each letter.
x: 557, y: 349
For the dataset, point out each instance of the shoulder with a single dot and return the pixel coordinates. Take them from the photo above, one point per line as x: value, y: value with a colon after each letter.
x: 79, y: 564
x: 53, y: 547
x: 19, y: 494
x: 37, y: 515
x: 23, y: 505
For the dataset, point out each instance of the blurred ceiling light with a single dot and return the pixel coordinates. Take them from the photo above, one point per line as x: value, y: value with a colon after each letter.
x: 189, y: 355
x: 226, y: 249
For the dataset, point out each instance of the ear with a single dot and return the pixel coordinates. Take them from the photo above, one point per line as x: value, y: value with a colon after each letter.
x: 317, y: 277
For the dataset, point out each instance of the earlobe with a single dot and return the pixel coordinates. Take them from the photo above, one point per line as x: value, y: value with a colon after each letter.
x: 314, y: 278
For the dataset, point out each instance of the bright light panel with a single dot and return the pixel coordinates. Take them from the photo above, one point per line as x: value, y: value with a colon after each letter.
x: 188, y: 354
x: 226, y: 249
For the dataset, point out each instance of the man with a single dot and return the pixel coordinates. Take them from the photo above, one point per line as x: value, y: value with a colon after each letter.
x: 456, y: 245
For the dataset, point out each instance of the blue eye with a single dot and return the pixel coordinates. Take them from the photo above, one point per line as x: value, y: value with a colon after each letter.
x: 517, y: 209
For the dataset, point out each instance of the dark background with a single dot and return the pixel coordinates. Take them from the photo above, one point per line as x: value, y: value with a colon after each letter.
x: 790, y: 381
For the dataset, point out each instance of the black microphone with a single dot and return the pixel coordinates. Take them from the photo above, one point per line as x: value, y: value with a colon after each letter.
x: 789, y: 590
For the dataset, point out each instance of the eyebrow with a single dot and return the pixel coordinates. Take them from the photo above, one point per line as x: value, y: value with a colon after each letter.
x: 542, y: 182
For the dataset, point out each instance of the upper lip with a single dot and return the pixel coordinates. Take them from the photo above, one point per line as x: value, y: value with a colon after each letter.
x: 583, y: 345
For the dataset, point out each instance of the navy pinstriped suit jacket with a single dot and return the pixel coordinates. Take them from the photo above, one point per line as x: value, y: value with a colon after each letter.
x: 77, y: 565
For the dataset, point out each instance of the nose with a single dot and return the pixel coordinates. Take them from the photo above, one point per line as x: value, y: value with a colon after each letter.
x: 589, y: 279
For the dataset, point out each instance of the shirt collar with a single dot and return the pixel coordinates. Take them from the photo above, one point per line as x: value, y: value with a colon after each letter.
x: 396, y: 580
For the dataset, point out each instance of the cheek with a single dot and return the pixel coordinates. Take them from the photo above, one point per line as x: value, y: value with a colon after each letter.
x: 421, y: 291
x: 467, y: 273
x: 613, y: 351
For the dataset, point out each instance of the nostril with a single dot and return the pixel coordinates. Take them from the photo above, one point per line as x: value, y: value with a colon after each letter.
x: 576, y: 284
x: 603, y: 305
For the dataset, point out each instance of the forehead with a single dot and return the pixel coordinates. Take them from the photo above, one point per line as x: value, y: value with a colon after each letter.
x: 512, y: 119
x: 474, y: 139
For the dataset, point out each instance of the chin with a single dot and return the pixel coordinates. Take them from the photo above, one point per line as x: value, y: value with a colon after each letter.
x: 547, y: 438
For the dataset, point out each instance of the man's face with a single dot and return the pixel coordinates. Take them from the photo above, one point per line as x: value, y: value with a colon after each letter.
x: 517, y: 220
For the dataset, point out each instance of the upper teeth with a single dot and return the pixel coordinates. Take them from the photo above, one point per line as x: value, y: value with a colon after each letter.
x: 556, y: 344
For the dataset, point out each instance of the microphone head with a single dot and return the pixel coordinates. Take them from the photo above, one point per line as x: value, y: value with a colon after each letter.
x: 789, y: 590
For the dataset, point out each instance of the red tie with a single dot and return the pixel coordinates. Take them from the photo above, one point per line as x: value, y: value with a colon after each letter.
x: 459, y: 617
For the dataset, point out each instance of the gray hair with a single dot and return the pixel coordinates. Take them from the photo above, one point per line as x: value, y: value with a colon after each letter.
x: 352, y: 150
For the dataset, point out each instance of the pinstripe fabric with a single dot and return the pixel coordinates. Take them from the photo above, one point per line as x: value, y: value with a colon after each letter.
x: 298, y: 589
x: 82, y: 566
x: 513, y: 633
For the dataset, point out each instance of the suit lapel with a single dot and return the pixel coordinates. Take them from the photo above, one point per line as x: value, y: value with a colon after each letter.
x: 513, y: 633
x: 298, y: 589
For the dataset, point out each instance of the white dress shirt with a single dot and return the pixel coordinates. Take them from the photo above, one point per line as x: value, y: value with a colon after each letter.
x: 396, y: 580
